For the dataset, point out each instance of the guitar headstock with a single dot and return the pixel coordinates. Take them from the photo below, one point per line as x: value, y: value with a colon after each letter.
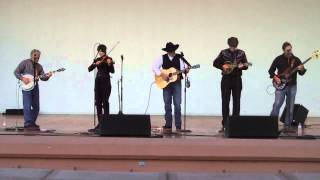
x: 316, y: 54
x: 195, y: 66
x: 61, y: 69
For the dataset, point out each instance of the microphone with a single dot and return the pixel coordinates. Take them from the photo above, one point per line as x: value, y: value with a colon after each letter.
x: 121, y: 57
x: 184, y: 60
x: 188, y: 84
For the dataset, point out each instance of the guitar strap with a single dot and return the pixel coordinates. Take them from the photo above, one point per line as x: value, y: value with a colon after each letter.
x: 35, y: 72
x: 293, y: 62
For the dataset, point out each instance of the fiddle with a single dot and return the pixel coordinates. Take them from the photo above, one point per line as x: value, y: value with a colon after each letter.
x: 105, y: 59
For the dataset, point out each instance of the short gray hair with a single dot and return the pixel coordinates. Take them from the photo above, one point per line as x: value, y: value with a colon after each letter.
x: 34, y: 51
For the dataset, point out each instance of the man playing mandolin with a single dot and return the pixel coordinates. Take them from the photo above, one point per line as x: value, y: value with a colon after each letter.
x: 284, y: 64
x: 231, y: 61
x: 31, y: 98
x: 173, y: 90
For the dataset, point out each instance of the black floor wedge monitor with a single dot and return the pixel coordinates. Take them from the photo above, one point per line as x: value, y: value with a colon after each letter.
x: 126, y: 125
x: 252, y: 127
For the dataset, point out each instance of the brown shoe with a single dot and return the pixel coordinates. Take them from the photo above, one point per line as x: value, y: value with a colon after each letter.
x: 36, y: 126
x: 289, y: 130
x: 167, y: 129
x: 31, y: 128
x: 221, y: 130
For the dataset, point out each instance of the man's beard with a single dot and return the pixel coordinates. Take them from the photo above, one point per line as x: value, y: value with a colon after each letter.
x: 288, y: 55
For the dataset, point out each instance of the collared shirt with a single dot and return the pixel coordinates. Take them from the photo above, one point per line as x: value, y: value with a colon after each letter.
x: 157, y: 65
x: 227, y: 55
x: 282, y: 63
x: 27, y: 67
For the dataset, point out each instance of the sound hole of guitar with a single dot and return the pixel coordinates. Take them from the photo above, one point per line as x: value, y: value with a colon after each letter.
x: 169, y: 77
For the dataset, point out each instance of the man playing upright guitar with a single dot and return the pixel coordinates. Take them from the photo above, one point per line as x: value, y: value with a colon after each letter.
x: 173, y: 90
x: 231, y: 81
x: 284, y: 64
x: 31, y: 98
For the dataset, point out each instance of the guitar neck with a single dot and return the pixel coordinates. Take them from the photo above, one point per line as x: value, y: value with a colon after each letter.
x: 296, y: 68
x: 44, y: 75
x: 179, y: 72
x: 182, y: 71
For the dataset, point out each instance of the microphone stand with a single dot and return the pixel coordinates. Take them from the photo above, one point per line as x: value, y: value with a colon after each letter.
x: 120, y: 95
x: 186, y: 85
x: 94, y: 102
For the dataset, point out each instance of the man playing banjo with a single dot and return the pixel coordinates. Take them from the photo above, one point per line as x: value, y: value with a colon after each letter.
x: 31, y: 97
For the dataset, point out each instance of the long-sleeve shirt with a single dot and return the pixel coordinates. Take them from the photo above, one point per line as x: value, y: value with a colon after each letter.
x: 27, y: 67
x: 282, y: 63
x: 225, y: 55
x: 157, y: 65
x: 103, y: 68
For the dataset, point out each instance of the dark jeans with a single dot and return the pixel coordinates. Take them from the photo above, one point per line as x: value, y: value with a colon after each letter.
x: 288, y: 93
x: 102, y: 91
x: 230, y: 85
x: 31, y: 106
x: 172, y: 92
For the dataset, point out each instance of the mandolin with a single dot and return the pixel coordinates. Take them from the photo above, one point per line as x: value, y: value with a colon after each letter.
x: 232, y: 66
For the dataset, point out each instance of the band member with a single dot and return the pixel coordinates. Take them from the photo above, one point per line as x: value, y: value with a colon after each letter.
x: 173, y: 90
x: 232, y: 82
x: 102, y: 87
x: 31, y: 103
x: 282, y: 64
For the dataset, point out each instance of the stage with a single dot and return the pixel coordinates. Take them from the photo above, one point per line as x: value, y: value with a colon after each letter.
x: 203, y: 150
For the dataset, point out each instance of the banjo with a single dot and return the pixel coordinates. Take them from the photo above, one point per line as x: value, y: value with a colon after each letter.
x: 31, y: 84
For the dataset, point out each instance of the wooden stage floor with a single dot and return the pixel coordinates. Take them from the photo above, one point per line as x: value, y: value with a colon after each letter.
x: 204, y: 150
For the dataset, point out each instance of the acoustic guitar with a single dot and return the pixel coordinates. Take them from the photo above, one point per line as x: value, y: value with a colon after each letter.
x: 172, y: 74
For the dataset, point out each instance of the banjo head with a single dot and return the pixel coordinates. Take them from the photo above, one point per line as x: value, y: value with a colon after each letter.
x: 30, y: 85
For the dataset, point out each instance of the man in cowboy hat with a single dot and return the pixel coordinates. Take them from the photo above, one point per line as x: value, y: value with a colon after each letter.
x: 173, y: 90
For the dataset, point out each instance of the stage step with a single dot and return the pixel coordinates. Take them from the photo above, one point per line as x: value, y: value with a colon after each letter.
x: 51, y: 174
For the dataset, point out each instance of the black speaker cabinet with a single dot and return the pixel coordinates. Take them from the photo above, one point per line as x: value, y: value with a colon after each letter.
x: 125, y: 125
x: 300, y: 114
x: 13, y: 112
x: 252, y: 127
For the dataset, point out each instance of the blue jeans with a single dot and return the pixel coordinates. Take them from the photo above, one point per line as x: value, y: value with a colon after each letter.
x: 288, y: 93
x: 31, y: 106
x: 172, y: 92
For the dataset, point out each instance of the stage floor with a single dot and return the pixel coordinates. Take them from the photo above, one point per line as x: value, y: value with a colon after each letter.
x: 203, y: 150
x: 201, y: 126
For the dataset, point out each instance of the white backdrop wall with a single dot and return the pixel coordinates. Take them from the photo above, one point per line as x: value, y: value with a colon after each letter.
x: 66, y: 31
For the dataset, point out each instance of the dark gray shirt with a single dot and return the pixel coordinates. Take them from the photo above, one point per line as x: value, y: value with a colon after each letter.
x: 26, y: 67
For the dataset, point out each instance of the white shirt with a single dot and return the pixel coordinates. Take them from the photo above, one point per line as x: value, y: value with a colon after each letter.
x: 157, y: 65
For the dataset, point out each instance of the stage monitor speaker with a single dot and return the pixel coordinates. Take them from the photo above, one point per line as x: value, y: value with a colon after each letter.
x: 300, y: 114
x: 13, y: 112
x: 125, y: 125
x: 252, y: 127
